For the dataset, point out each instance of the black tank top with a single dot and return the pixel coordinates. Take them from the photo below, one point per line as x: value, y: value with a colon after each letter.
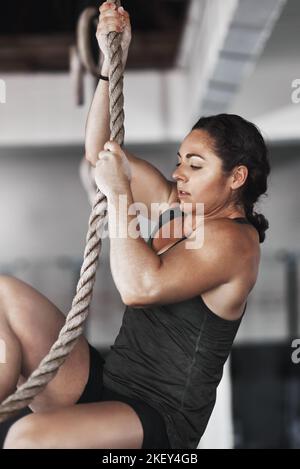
x: 171, y: 356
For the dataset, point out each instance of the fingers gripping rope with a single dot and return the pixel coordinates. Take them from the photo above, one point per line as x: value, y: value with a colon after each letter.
x: 73, y: 327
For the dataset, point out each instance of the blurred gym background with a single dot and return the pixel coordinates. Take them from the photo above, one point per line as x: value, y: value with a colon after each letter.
x: 187, y: 59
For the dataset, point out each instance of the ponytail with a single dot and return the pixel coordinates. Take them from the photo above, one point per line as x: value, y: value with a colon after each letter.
x: 258, y: 220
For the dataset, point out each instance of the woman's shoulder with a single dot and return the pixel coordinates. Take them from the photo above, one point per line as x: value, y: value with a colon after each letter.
x: 239, y: 240
x: 236, y: 246
x: 231, y: 229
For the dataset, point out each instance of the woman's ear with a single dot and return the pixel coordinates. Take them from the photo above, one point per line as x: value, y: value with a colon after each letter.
x: 239, y: 177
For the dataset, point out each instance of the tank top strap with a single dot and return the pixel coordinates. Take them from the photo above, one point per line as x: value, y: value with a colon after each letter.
x: 170, y: 214
x: 165, y: 217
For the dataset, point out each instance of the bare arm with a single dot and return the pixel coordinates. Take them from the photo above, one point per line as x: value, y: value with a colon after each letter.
x: 111, y: 19
x: 97, y: 130
x: 97, y: 127
x: 148, y: 184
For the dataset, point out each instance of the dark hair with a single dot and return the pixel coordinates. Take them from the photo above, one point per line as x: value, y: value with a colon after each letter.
x: 239, y: 142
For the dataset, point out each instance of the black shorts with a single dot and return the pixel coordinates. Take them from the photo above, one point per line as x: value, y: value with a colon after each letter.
x: 155, y: 435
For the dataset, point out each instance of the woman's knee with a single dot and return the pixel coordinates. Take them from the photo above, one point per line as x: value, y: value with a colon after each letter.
x: 23, y: 305
x: 7, y: 286
x: 24, y: 434
x: 6, y: 283
x: 10, y: 287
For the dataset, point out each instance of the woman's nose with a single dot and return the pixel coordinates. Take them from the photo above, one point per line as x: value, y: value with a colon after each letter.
x: 178, y: 175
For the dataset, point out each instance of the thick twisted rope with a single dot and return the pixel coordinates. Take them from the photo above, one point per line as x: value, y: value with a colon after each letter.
x: 75, y: 319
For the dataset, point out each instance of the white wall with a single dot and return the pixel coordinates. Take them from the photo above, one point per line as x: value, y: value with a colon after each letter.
x: 40, y: 109
x: 281, y: 124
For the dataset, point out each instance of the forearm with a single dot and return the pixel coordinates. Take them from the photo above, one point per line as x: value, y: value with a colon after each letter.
x: 98, y: 125
x: 98, y: 122
x: 133, y: 263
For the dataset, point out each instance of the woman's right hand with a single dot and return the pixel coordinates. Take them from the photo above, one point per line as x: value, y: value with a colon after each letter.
x: 112, y: 19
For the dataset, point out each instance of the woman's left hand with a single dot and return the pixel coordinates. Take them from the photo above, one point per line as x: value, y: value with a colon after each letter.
x: 113, y: 172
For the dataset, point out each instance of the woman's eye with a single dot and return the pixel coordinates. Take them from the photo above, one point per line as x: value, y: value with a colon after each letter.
x: 194, y: 167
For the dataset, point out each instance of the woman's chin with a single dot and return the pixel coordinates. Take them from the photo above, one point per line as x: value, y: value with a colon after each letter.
x: 186, y: 207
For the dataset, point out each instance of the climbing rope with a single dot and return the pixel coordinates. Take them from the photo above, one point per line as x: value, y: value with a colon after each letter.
x: 75, y: 319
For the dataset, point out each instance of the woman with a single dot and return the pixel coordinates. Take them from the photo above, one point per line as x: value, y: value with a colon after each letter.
x: 157, y: 387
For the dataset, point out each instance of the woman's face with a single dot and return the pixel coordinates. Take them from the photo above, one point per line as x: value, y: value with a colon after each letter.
x: 199, y: 172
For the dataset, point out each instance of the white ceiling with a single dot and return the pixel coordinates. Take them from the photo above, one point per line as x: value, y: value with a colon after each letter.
x: 265, y: 95
x: 250, y: 28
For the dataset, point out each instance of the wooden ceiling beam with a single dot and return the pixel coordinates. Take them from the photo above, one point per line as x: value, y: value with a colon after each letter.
x: 46, y: 53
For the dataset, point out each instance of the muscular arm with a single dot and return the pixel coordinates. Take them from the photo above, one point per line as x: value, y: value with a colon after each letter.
x: 144, y: 278
x: 131, y: 259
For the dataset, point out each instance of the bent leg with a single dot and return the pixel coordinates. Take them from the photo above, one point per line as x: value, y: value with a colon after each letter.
x: 109, y: 425
x: 29, y: 325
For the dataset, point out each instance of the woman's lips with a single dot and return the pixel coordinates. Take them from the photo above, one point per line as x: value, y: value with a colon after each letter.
x: 183, y: 194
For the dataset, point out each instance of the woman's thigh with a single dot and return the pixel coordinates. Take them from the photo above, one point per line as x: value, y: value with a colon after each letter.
x: 36, y: 322
x: 108, y: 424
